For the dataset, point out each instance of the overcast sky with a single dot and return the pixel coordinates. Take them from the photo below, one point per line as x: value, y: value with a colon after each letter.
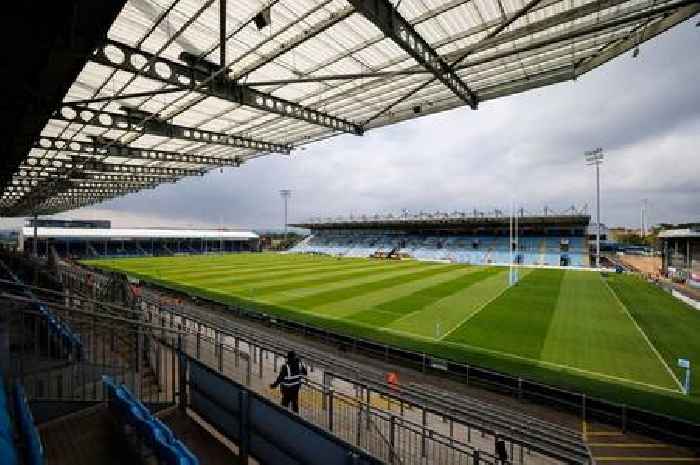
x: 644, y: 112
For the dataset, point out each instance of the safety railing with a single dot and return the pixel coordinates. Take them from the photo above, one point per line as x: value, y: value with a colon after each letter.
x: 238, y: 352
x: 351, y: 415
x: 123, y: 347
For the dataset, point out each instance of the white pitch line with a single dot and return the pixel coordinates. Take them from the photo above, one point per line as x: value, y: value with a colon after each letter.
x: 644, y: 335
x: 410, y: 314
x: 471, y: 315
x: 560, y: 366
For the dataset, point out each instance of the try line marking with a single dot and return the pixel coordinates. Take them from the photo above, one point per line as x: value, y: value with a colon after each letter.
x: 594, y: 374
x: 472, y: 314
x: 641, y: 331
x: 564, y: 367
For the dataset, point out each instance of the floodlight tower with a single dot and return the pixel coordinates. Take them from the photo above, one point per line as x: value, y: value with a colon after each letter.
x: 643, y: 224
x: 595, y: 157
x: 286, y: 194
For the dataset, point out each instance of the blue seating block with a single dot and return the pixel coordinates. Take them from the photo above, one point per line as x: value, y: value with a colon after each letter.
x: 154, y: 432
x: 29, y: 432
x: 8, y: 453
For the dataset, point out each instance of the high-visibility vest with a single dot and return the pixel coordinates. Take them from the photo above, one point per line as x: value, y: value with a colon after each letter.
x: 292, y: 380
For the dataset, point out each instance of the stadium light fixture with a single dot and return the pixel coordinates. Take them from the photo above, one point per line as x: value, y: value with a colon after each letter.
x: 595, y: 157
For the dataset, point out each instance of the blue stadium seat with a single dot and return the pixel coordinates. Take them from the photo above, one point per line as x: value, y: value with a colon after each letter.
x: 8, y: 453
x: 150, y: 429
x: 34, y: 450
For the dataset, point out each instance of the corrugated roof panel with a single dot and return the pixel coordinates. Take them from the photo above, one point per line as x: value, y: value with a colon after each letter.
x: 352, y: 45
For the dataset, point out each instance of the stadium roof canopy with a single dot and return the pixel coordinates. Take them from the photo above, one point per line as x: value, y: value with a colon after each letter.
x: 136, y: 233
x: 443, y: 220
x: 679, y: 233
x: 113, y: 97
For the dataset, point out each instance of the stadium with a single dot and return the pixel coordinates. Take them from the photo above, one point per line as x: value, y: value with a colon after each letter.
x: 476, y: 337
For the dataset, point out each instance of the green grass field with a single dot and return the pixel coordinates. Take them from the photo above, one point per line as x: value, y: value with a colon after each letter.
x: 616, y: 337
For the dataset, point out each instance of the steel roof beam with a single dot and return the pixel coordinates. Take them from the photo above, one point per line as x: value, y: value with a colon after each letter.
x: 71, y: 113
x: 383, y: 15
x: 86, y: 164
x: 123, y: 57
x: 106, y: 178
x: 641, y: 35
x: 96, y: 178
x: 112, y: 98
x: 81, y: 163
x: 108, y: 148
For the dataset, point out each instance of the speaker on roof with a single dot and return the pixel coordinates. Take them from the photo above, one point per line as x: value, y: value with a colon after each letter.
x: 263, y: 19
x: 200, y: 64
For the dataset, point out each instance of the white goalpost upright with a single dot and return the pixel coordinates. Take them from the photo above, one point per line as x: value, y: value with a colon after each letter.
x: 513, y: 244
x: 516, y: 270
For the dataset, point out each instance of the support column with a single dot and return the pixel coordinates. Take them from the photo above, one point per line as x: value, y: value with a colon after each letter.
x: 34, y: 241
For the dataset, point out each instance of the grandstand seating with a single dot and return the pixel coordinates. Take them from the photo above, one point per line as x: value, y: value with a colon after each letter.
x: 67, y: 342
x: 29, y: 449
x: 136, y: 248
x: 151, y: 431
x: 8, y: 452
x: 33, y: 449
x: 478, y: 250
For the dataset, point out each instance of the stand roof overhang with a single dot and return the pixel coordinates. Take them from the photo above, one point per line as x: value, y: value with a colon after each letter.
x: 154, y: 97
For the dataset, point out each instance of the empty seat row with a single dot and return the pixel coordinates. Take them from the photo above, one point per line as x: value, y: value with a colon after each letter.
x: 70, y: 340
x: 33, y: 448
x: 151, y: 430
x: 532, y: 250
x: 8, y: 453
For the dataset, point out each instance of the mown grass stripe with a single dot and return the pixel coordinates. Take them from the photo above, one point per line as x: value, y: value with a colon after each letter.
x: 316, y: 280
x: 518, y: 320
x: 224, y: 274
x: 336, y: 295
x: 670, y: 325
x: 588, y: 315
x: 233, y: 279
x: 388, y: 312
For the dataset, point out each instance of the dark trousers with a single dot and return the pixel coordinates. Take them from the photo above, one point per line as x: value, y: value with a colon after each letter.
x: 290, y: 397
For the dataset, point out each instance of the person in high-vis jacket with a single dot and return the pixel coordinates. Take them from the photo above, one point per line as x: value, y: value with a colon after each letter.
x: 290, y: 379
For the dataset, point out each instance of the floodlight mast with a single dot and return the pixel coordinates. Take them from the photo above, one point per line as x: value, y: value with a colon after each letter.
x: 286, y: 194
x: 595, y: 157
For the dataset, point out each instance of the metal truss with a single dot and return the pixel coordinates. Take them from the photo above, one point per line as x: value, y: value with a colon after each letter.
x: 109, y: 178
x: 383, y: 15
x: 82, y: 164
x: 193, y: 78
x: 72, y: 113
x: 109, y: 148
x: 79, y: 164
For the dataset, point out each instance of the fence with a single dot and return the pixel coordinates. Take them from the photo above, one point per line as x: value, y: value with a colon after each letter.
x: 121, y: 346
x: 589, y: 408
x: 454, y: 436
x: 386, y: 436
x: 260, y: 428
x: 254, y: 362
x: 149, y: 359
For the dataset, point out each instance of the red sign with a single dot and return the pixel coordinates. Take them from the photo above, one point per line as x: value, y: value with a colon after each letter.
x: 392, y: 379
